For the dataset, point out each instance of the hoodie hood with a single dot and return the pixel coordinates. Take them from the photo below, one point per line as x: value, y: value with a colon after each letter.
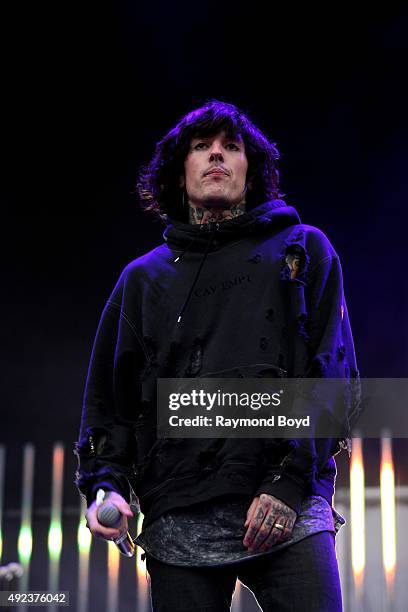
x: 186, y: 236
x: 203, y: 238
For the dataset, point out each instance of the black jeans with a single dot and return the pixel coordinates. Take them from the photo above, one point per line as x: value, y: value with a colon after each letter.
x: 303, y: 577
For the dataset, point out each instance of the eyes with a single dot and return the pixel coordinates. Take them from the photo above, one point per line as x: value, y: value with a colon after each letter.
x: 200, y: 146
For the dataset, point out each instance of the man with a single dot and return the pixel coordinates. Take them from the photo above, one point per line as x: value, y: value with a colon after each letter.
x: 240, y: 288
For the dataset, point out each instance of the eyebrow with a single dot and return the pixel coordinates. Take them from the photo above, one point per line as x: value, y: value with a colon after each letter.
x: 236, y: 139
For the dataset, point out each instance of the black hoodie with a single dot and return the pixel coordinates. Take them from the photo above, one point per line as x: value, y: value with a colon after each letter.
x: 257, y: 295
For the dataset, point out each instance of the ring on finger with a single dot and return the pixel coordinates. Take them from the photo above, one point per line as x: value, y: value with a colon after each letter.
x: 279, y: 526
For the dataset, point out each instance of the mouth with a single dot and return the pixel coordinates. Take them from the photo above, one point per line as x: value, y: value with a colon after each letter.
x: 216, y: 172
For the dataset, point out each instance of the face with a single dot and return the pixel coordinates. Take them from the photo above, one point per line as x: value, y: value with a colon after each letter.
x: 215, y: 171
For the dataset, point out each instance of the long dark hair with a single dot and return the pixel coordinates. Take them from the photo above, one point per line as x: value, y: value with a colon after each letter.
x: 158, y: 181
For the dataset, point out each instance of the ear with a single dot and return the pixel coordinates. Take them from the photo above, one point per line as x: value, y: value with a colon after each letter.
x: 182, y: 181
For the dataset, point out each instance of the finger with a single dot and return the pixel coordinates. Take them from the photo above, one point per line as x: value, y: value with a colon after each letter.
x: 121, y: 504
x: 263, y: 509
x: 107, y: 533
x: 99, y: 530
x: 124, y: 508
x: 270, y: 541
x: 262, y: 535
x: 276, y: 536
x: 251, y: 510
x: 251, y: 523
x: 263, y: 532
x: 254, y: 525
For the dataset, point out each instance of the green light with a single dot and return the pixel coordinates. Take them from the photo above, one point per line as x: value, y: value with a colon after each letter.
x: 54, y: 540
x: 25, y: 543
x: 139, y: 523
x: 84, y: 537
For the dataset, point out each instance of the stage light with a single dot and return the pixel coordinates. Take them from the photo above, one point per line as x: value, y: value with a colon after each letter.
x: 389, y: 547
x: 357, y: 514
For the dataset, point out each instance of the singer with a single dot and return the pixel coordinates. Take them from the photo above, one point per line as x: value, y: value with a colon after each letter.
x: 239, y: 288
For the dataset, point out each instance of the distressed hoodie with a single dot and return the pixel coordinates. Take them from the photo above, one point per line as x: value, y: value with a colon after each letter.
x: 257, y: 295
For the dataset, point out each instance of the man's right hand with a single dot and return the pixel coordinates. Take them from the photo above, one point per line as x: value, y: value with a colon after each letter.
x: 108, y: 533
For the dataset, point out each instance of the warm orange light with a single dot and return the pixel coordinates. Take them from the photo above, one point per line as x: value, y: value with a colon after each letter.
x: 357, y: 512
x: 140, y: 564
x: 388, y: 524
x: 142, y: 577
x: 113, y: 576
x: 84, y: 538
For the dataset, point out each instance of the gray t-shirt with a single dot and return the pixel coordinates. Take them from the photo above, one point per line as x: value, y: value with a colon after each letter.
x: 211, y: 533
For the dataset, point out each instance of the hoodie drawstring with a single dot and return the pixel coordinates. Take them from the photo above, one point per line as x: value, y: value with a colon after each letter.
x: 204, y: 257
x: 179, y: 257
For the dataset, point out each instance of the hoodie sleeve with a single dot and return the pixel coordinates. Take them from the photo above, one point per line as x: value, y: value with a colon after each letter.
x: 324, y: 341
x: 106, y: 448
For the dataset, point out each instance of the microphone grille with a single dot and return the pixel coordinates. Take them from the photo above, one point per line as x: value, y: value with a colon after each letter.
x: 109, y: 515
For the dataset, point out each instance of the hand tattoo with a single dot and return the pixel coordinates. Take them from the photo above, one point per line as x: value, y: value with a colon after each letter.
x: 261, y: 533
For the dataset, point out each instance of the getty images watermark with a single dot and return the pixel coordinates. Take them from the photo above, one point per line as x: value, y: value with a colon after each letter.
x: 215, y: 401
x: 281, y: 407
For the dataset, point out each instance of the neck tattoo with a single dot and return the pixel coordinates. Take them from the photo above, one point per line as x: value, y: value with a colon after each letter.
x: 200, y: 214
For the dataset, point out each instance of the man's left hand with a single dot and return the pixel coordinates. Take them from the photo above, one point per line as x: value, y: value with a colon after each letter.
x: 269, y: 522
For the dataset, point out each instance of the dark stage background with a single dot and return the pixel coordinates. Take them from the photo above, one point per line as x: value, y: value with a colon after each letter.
x: 88, y: 89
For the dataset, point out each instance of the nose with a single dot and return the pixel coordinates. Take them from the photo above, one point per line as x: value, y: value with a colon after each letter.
x: 215, y: 151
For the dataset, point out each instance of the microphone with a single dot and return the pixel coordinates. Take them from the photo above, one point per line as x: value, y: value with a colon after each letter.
x: 109, y: 516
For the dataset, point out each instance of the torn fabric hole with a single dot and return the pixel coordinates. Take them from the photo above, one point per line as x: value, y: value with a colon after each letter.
x: 196, y: 358
x: 171, y: 361
x: 294, y: 258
